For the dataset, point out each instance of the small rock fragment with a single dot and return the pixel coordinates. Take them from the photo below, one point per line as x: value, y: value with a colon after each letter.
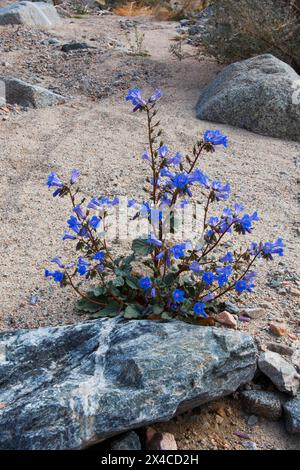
x: 292, y: 415
x: 278, y: 328
x: 231, y: 307
x: 245, y: 319
x: 242, y: 435
x: 295, y: 292
x: 280, y: 348
x: 249, y: 445
x: 227, y: 319
x: 252, y: 420
x: 73, y: 46
x: 261, y: 403
x: 283, y: 375
x: 255, y: 312
x: 160, y: 441
x: 128, y: 441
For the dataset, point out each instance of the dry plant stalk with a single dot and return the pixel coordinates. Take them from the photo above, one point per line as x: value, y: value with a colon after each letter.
x: 133, y: 9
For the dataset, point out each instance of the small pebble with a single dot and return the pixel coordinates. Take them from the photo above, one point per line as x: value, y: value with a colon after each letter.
x: 252, y: 420
x: 249, y: 445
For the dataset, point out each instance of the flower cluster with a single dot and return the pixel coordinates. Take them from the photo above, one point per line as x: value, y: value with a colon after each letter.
x: 178, y: 280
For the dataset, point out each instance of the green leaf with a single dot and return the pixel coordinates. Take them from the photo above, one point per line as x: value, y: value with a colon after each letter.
x: 128, y: 260
x: 141, y: 247
x: 98, y: 291
x: 118, y: 281
x: 157, y: 309
x: 169, y: 279
x: 84, y: 305
x: 133, y: 311
x: 166, y: 316
x: 132, y: 282
x: 111, y: 310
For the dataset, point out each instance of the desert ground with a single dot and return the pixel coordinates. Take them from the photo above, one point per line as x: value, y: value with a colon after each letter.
x: 96, y: 132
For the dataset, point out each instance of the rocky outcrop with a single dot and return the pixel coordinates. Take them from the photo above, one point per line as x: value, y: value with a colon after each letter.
x: 27, y: 95
x: 38, y: 14
x: 73, y: 386
x: 261, y: 94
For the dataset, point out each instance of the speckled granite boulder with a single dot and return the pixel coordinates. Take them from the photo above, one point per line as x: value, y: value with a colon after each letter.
x: 38, y: 14
x: 261, y: 94
x: 27, y: 95
x: 71, y: 387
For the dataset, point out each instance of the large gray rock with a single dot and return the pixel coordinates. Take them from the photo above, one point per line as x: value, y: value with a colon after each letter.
x: 283, y: 375
x: 292, y: 415
x: 32, y: 96
x: 261, y: 94
x: 73, y: 386
x: 39, y: 14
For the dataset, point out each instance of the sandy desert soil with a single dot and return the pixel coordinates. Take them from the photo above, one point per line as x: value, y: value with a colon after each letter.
x: 96, y: 132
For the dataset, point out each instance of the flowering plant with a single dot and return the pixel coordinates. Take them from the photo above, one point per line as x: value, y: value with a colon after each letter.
x: 160, y: 278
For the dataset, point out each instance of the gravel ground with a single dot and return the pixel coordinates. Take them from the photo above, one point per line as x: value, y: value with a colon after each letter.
x: 96, y: 132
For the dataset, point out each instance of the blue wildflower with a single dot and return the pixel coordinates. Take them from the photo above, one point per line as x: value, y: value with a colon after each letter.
x: 199, y: 309
x: 228, y: 258
x: 195, y: 267
x: 178, y: 295
x: 215, y: 138
x: 99, y: 256
x: 152, y: 240
x: 74, y: 224
x: 241, y: 286
x: 94, y: 203
x: 57, y: 192
x: 145, y: 209
x: 270, y: 249
x: 178, y: 250
x: 82, y: 266
x: 134, y: 95
x: 209, y: 297
x: 213, y: 221
x: 238, y: 208
x: 199, y: 177
x: 68, y: 236
x: 163, y: 151
x: 222, y: 193
x: 247, y: 283
x: 53, y: 180
x: 79, y: 212
x: 145, y: 155
x: 145, y: 283
x: 245, y: 223
x: 74, y: 176
x: 131, y: 203
x: 115, y: 201
x: 175, y: 160
x: 155, y: 96
x: 208, y: 277
x: 57, y: 276
x: 180, y: 181
x: 58, y: 261
x: 227, y: 212
x: 95, y: 222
